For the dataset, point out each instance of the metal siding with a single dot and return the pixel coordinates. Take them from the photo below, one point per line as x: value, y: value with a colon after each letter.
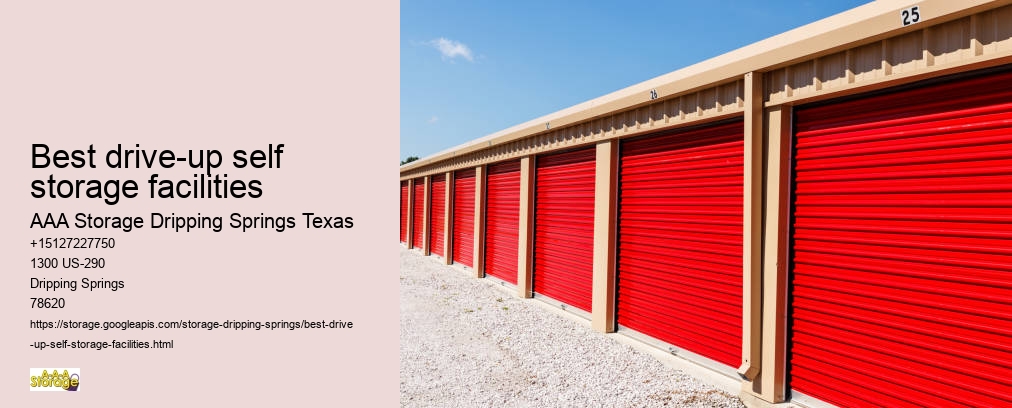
x: 931, y: 48
x: 437, y: 214
x: 502, y: 226
x: 724, y: 99
x: 418, y: 217
x: 564, y: 227
x: 680, y: 239
x: 404, y: 211
x: 463, y: 217
x: 902, y: 276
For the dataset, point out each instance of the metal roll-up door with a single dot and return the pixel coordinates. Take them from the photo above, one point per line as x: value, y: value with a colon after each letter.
x: 463, y: 217
x: 437, y: 214
x: 564, y: 227
x: 902, y: 247
x: 502, y: 225
x: 418, y: 214
x: 404, y: 211
x: 680, y: 239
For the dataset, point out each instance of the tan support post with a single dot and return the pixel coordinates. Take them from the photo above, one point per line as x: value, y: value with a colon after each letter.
x: 751, y: 339
x: 448, y: 219
x: 426, y: 210
x: 479, y: 222
x: 525, y: 247
x: 411, y: 213
x: 605, y: 214
x: 774, y: 350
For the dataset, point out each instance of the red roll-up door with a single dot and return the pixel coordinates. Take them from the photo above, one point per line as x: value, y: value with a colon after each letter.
x: 680, y: 239
x: 418, y: 215
x: 463, y: 217
x: 437, y: 214
x: 404, y: 211
x: 502, y: 223
x: 564, y: 227
x: 902, y: 248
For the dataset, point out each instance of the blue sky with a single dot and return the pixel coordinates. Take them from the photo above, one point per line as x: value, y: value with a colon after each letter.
x: 471, y: 68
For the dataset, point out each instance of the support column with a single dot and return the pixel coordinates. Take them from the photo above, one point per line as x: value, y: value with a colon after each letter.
x: 769, y: 387
x: 751, y: 339
x: 411, y: 213
x: 774, y: 350
x: 525, y: 247
x: 426, y: 210
x: 448, y: 219
x: 479, y: 222
x: 605, y: 217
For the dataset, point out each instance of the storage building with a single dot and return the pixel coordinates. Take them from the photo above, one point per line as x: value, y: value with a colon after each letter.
x: 824, y: 217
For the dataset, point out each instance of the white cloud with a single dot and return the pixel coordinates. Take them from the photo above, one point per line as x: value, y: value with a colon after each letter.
x: 452, y: 49
x: 434, y: 119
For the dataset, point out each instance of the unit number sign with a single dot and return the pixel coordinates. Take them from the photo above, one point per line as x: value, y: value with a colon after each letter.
x: 910, y: 15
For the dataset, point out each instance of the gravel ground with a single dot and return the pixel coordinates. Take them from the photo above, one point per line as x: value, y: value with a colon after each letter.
x: 465, y: 343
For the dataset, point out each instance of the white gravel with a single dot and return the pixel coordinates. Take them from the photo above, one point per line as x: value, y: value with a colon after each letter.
x: 465, y: 343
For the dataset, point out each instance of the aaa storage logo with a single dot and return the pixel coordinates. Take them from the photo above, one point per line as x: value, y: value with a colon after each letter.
x: 57, y: 379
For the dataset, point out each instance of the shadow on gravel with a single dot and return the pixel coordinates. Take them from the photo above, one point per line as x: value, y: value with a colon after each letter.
x: 467, y: 343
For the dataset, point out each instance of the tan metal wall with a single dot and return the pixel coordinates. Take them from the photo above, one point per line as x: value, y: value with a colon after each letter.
x: 951, y: 46
x: 712, y: 103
